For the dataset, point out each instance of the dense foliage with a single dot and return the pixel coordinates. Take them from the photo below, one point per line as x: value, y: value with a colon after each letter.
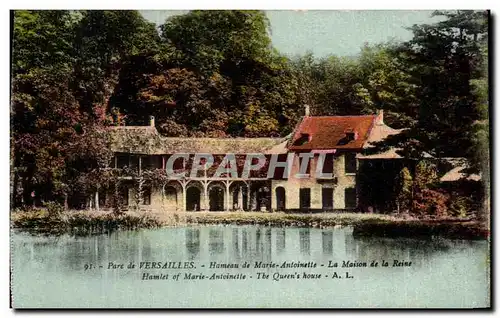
x: 216, y: 74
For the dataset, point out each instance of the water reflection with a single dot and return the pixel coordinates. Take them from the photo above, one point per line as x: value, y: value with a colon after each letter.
x: 245, y: 244
x: 418, y: 250
x: 305, y: 241
x: 327, y: 242
x: 258, y: 243
x: 455, y: 270
x: 280, y: 240
x: 236, y: 244
x: 244, y: 240
x: 216, y: 241
x: 193, y: 242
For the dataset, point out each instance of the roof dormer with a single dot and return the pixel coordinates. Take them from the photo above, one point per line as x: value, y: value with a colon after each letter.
x: 351, y: 134
x: 303, y: 139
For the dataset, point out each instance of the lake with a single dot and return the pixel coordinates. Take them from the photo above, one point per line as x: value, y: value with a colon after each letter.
x: 94, y: 271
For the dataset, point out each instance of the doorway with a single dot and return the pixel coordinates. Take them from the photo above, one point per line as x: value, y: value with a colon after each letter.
x: 193, y: 199
x: 327, y: 199
x: 280, y: 199
x: 216, y: 197
x: 305, y: 199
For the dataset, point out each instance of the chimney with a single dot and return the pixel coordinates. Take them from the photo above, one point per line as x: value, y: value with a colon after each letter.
x: 380, y: 117
x: 152, y: 121
x: 307, y: 111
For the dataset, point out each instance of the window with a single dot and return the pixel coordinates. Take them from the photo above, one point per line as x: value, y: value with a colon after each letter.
x: 308, y: 168
x: 351, y: 135
x: 178, y: 164
x: 146, y: 163
x: 328, y: 164
x: 122, y: 161
x: 350, y: 198
x: 350, y: 163
x: 151, y: 162
x: 302, y: 140
x: 327, y: 198
x: 305, y: 198
x: 279, y: 172
x: 134, y: 162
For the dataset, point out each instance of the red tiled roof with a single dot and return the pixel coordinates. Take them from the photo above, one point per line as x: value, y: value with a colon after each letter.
x: 329, y: 132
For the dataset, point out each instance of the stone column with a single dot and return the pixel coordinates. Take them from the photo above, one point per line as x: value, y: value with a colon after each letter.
x: 184, y: 198
x: 253, y: 201
x: 228, y: 205
x: 240, y: 198
x: 97, y: 200
x: 249, y: 201
x: 205, y: 206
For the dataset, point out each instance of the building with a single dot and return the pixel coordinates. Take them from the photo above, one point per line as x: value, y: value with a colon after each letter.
x: 338, y: 140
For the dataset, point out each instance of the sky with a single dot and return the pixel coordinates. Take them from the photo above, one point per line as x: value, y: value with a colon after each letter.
x: 328, y: 32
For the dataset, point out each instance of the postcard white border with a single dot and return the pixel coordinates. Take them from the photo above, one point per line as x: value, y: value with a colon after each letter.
x: 179, y: 5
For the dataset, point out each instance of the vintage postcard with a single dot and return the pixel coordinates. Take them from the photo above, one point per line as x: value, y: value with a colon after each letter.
x: 250, y: 159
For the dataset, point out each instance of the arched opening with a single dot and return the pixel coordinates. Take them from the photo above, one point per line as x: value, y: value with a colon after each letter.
x: 170, y: 198
x: 216, y: 199
x: 193, y: 199
x: 239, y: 195
x: 235, y: 194
x: 263, y: 194
x: 280, y: 199
x: 260, y: 196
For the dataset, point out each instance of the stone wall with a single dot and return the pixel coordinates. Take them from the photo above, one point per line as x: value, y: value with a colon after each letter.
x: 344, y: 181
x: 170, y: 201
x: 293, y: 185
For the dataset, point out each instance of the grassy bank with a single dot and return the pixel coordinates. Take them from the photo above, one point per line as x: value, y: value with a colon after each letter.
x: 466, y: 230
x: 363, y: 224
x: 41, y: 221
x: 318, y: 220
x: 92, y: 222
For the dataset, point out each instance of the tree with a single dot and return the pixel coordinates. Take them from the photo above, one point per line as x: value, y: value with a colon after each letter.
x: 387, y: 85
x: 330, y: 85
x: 63, y: 68
x: 425, y: 175
x: 404, y: 190
x: 41, y: 64
x: 214, y: 40
x: 215, y: 76
x: 479, y: 152
x: 427, y: 200
x: 442, y: 59
x: 103, y: 40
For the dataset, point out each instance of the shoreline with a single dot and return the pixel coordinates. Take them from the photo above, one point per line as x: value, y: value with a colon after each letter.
x: 364, y: 225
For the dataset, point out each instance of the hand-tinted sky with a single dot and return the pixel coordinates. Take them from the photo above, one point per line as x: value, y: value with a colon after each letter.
x: 323, y: 33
